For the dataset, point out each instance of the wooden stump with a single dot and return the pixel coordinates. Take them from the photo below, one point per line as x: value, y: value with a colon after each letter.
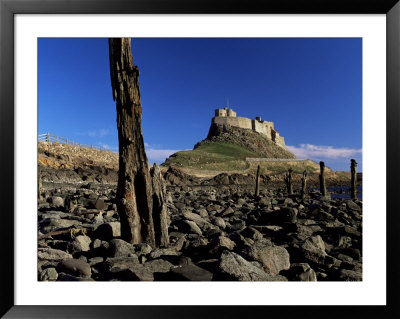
x: 322, y: 184
x: 160, y: 210
x: 257, y: 191
x: 303, y: 185
x: 353, y: 188
x: 289, y: 181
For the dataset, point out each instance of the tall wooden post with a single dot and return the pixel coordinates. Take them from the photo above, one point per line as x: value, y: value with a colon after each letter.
x: 353, y: 189
x: 134, y: 191
x: 257, y: 191
x: 289, y: 181
x: 303, y: 185
x: 322, y: 185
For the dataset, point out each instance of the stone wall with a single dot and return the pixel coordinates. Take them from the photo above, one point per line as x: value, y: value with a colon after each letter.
x: 241, y: 122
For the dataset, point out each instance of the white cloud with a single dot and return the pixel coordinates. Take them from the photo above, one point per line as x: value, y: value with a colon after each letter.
x: 98, y: 133
x: 317, y: 151
x: 159, y: 155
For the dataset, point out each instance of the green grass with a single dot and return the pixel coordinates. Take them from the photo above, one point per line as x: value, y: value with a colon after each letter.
x: 212, y: 156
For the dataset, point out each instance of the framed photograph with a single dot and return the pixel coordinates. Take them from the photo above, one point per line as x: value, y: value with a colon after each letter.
x: 318, y: 68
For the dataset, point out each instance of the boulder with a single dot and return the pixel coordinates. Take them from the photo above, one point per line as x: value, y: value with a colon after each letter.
x: 52, y: 254
x: 272, y: 258
x: 313, y: 250
x: 120, y: 263
x: 231, y: 266
x: 119, y: 248
x: 57, y: 201
x: 145, y: 272
x: 350, y: 205
x: 300, y: 272
x: 220, y: 243
x: 80, y: 243
x: 48, y: 274
x: 189, y: 227
x: 75, y: 267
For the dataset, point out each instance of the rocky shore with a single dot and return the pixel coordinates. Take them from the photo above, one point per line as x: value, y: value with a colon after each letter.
x: 218, y: 231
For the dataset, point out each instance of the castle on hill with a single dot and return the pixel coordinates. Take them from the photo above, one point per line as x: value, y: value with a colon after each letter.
x: 227, y: 116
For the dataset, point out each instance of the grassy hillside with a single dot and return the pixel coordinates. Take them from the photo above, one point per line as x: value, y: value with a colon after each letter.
x: 212, y: 156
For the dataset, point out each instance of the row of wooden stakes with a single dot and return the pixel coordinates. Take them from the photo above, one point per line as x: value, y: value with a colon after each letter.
x: 322, y: 183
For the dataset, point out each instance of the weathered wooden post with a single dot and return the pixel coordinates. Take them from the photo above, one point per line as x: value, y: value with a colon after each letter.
x: 160, y: 210
x: 47, y: 137
x: 257, y: 191
x: 303, y: 185
x: 289, y: 181
x: 353, y: 190
x: 134, y: 190
x: 322, y: 185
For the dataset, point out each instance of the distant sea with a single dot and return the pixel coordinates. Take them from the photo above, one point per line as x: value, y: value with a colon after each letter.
x: 343, y: 192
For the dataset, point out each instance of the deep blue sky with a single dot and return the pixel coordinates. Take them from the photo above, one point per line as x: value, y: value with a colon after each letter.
x: 310, y: 88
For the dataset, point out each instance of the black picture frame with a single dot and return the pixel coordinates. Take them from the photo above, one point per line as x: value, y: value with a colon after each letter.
x: 8, y: 9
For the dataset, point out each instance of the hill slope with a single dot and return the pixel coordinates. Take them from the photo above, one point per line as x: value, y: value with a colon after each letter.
x: 226, y: 148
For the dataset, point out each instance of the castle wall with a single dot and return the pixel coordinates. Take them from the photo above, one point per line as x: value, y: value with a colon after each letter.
x: 262, y: 128
x: 280, y: 140
x: 241, y: 122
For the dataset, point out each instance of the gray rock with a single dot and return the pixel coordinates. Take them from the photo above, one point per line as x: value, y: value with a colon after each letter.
x: 344, y: 242
x: 231, y: 266
x: 52, y: 254
x: 252, y: 233
x: 352, y: 206
x: 158, y: 266
x: 145, y: 272
x: 51, y: 224
x: 314, y: 250
x: 120, y: 263
x: 349, y: 275
x: 190, y: 227
x: 142, y: 249
x: 119, y: 248
x: 75, y: 267
x: 220, y: 222
x: 98, y: 219
x: 201, y: 222
x: 226, y: 212
x: 158, y: 252
x: 57, y: 201
x: 80, y: 243
x: 300, y: 272
x: 272, y: 258
x: 48, y: 274
x: 220, y: 243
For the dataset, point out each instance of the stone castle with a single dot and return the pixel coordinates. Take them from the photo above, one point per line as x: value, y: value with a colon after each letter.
x: 227, y: 116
